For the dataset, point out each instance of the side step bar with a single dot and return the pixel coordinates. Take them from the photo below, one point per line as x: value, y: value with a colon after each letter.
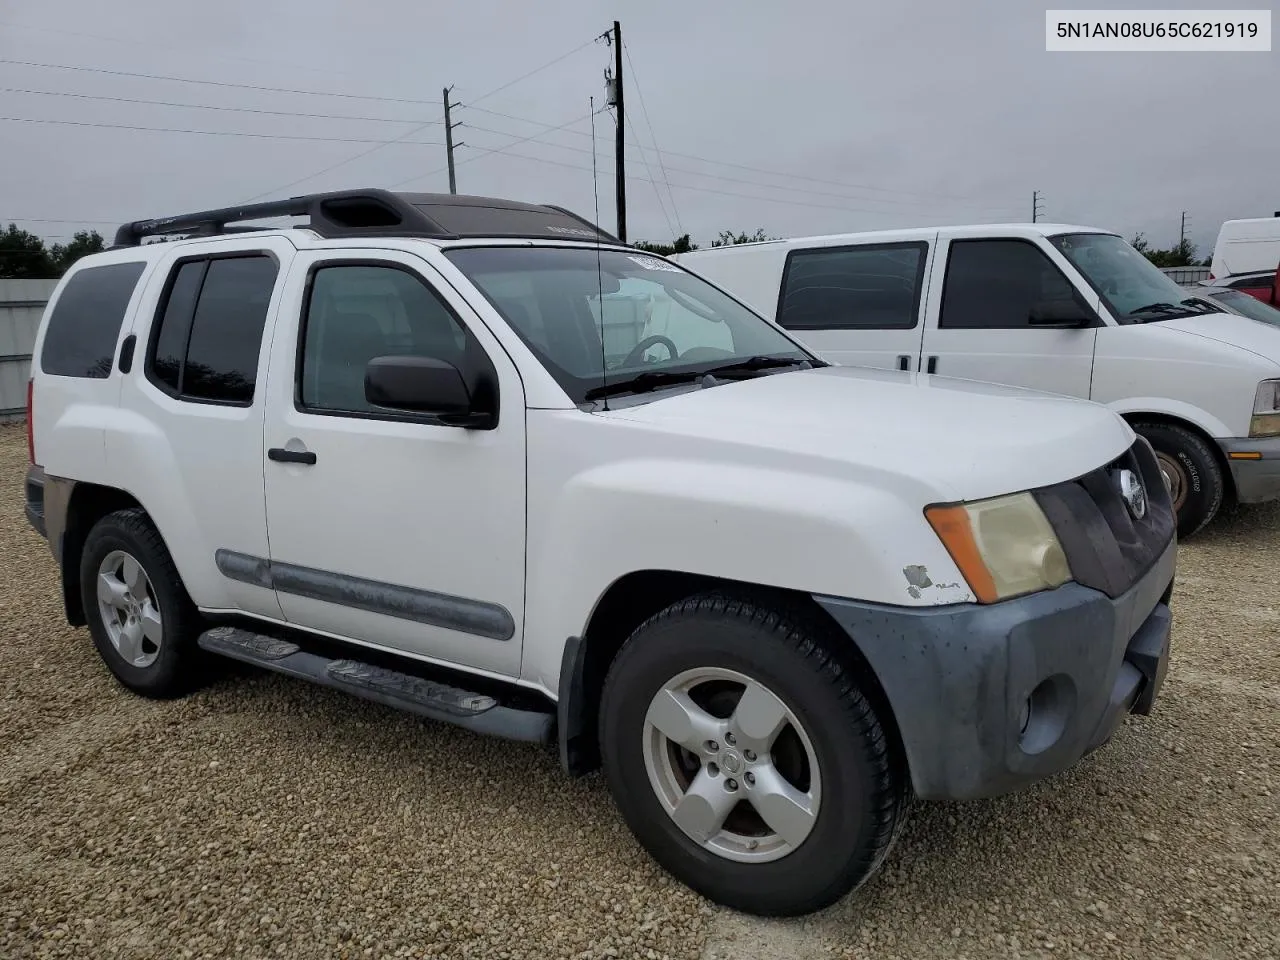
x: 478, y: 712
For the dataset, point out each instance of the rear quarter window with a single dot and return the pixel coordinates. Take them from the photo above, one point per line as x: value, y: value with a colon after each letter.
x: 80, y: 339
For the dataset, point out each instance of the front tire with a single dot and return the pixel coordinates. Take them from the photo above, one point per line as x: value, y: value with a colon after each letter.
x: 746, y: 759
x: 1191, y: 472
x: 140, y: 616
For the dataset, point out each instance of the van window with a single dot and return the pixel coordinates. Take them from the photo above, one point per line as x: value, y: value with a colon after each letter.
x: 993, y: 284
x: 209, y: 334
x: 868, y: 287
x: 80, y: 340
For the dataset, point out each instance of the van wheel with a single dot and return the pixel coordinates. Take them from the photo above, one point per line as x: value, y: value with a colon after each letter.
x: 746, y: 759
x: 1191, y: 472
x: 140, y: 617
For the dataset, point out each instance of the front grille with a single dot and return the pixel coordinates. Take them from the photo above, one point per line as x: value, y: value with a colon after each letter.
x: 1107, y: 547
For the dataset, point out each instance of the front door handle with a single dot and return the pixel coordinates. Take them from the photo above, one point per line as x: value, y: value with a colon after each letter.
x: 903, y: 360
x: 932, y: 365
x: 282, y: 455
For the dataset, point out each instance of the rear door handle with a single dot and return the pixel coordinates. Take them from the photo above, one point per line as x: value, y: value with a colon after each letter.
x: 903, y: 360
x: 282, y: 455
x: 932, y: 366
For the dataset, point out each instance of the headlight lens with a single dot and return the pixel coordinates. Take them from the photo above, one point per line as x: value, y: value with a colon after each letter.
x: 1004, y: 546
x: 1266, y: 410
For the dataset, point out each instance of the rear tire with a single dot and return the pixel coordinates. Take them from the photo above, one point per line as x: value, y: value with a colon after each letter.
x: 787, y: 828
x: 139, y: 614
x: 1192, y: 472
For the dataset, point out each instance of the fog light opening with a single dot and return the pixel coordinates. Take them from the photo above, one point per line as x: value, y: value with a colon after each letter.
x: 1045, y: 713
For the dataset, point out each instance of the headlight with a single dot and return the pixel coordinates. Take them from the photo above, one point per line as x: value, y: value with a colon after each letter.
x: 1003, y: 546
x: 1266, y: 410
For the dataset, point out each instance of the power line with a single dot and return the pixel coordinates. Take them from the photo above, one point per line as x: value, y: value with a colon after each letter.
x: 677, y: 186
x: 215, y: 56
x: 365, y: 153
x: 213, y: 83
x: 656, y: 192
x: 652, y: 136
x: 214, y: 133
x: 526, y: 76
x: 485, y: 153
x: 7, y: 219
x: 749, y: 182
x: 742, y: 166
x: 207, y: 106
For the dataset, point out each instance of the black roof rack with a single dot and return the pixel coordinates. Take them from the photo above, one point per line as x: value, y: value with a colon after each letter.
x: 375, y: 212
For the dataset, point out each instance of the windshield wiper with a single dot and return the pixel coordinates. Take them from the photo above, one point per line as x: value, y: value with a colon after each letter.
x: 643, y: 382
x: 1190, y: 307
x: 1155, y: 308
x: 1204, y: 305
x: 752, y: 364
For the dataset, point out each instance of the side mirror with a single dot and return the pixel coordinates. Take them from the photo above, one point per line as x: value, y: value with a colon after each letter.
x: 1061, y: 314
x: 424, y: 385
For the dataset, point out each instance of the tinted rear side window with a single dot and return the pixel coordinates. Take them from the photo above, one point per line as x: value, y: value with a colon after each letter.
x: 210, y: 328
x: 869, y: 287
x: 80, y: 340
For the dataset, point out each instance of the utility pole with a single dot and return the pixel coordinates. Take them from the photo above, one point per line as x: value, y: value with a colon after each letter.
x: 1035, y: 206
x: 1182, y: 232
x: 448, y: 139
x: 619, y: 149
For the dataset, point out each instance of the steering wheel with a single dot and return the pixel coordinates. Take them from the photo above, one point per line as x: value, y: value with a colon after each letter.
x: 637, y: 352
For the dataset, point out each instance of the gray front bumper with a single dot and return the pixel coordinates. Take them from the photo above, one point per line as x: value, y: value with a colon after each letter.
x: 1256, y: 481
x: 989, y: 699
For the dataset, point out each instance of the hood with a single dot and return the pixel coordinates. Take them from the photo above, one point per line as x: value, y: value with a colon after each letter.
x: 966, y: 440
x: 1246, y: 333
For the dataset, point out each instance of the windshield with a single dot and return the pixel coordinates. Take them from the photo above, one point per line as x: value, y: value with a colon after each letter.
x: 655, y: 325
x: 1134, y: 290
x: 1245, y: 304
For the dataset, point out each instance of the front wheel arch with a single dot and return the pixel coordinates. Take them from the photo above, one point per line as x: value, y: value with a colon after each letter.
x: 634, y: 598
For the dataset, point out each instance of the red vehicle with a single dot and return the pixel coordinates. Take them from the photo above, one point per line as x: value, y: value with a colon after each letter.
x: 1262, y: 284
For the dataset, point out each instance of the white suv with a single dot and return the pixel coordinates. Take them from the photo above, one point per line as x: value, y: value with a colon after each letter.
x: 476, y: 459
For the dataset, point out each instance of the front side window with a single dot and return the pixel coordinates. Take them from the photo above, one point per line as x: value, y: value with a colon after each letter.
x: 872, y: 287
x: 1000, y: 284
x: 209, y: 332
x: 1134, y: 289
x: 356, y: 312
x: 632, y: 324
x: 80, y: 340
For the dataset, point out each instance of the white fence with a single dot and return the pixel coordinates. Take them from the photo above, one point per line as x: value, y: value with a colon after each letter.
x: 1186, y: 275
x: 21, y: 305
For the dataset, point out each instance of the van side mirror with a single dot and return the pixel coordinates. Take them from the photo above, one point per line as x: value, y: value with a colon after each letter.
x: 1061, y: 314
x: 424, y: 385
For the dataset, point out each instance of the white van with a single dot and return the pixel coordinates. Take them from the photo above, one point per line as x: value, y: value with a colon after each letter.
x: 1246, y: 246
x: 1063, y: 309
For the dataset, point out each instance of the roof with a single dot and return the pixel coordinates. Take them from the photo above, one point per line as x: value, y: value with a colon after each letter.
x: 907, y: 233
x: 374, y: 212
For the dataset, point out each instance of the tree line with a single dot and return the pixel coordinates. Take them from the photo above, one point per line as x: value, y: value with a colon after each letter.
x: 683, y: 244
x: 24, y: 256
x: 1181, y: 254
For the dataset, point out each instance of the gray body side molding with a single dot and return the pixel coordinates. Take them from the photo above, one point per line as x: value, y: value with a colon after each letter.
x: 393, y: 600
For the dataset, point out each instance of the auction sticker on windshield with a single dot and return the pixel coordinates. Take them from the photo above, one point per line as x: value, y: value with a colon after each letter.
x: 649, y: 263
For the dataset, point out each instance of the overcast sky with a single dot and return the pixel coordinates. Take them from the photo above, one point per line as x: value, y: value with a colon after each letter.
x: 889, y: 114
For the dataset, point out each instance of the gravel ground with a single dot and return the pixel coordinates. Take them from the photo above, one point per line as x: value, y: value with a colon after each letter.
x: 266, y: 818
